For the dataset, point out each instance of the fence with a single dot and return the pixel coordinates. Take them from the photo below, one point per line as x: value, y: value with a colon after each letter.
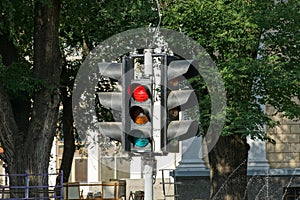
x: 109, y: 190
x: 33, y: 191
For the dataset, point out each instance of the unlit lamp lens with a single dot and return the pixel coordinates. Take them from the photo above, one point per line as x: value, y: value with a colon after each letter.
x: 138, y: 115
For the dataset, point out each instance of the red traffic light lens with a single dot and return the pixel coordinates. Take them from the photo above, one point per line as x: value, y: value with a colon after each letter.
x: 140, y: 93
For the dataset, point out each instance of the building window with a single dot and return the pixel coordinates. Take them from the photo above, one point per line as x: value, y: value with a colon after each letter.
x: 81, y: 168
x: 110, y: 169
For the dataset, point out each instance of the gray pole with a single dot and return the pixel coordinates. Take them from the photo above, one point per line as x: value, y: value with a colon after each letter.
x: 148, y: 160
x: 148, y: 64
x: 148, y: 176
x: 116, y: 164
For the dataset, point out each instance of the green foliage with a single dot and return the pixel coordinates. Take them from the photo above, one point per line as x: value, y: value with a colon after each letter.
x: 23, y: 28
x: 17, y: 23
x: 19, y: 80
x: 86, y: 23
x: 281, y: 57
x: 44, y: 2
x: 95, y: 20
x: 230, y: 31
x: 7, y: 12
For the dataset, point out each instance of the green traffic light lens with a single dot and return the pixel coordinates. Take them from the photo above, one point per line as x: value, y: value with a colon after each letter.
x: 139, y: 139
x: 140, y: 142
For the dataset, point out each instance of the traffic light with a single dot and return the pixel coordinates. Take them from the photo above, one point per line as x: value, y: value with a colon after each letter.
x: 139, y: 132
x: 138, y: 108
x: 138, y: 122
x: 175, y: 100
x: 111, y: 101
x: 132, y: 103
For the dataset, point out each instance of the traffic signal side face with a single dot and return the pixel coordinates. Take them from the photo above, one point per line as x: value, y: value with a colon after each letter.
x: 178, y: 100
x: 111, y: 101
x: 140, y: 112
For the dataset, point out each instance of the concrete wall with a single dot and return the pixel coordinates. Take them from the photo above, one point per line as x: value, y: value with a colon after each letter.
x: 286, y: 152
x: 193, y: 188
x: 259, y: 187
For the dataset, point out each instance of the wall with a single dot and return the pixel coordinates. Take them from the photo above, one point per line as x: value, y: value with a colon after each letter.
x: 286, y: 152
x: 259, y: 187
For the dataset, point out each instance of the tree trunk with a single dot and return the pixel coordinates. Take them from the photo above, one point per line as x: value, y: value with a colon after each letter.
x: 14, y: 119
x: 67, y: 118
x: 47, y: 67
x: 8, y: 50
x: 69, y: 137
x: 228, y: 168
x: 27, y: 144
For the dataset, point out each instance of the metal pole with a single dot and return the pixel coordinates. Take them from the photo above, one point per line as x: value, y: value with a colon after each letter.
x: 27, y: 185
x: 61, y: 184
x: 148, y: 65
x: 148, y: 165
x: 148, y: 176
x: 116, y: 164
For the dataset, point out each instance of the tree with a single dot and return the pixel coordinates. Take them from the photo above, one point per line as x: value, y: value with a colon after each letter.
x: 231, y: 32
x: 27, y: 83
x: 85, y: 24
x: 27, y: 131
